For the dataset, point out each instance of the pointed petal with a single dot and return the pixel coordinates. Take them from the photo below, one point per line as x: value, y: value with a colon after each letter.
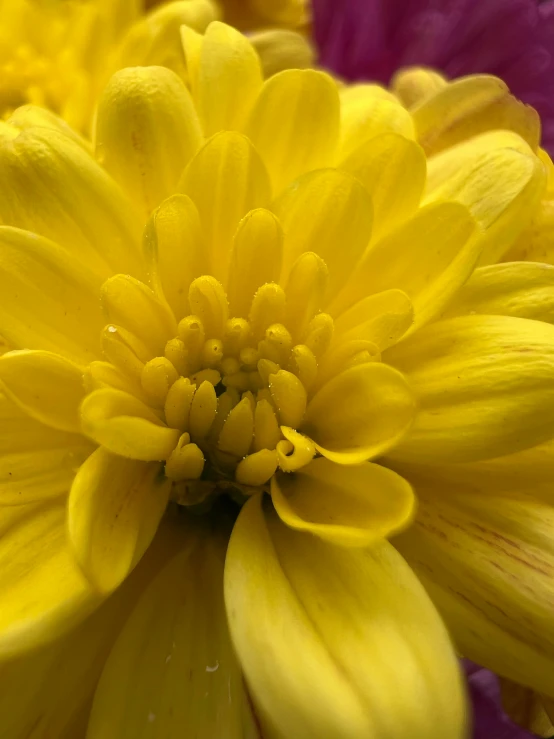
x: 381, y: 165
x: 229, y: 79
x: 375, y: 658
x: 46, y: 386
x: 114, y: 509
x: 147, y: 130
x: 429, y: 258
x: 126, y: 426
x: 340, y: 212
x: 304, y: 139
x: 360, y: 413
x: 56, y: 189
x: 225, y: 180
x: 43, y: 592
x: 36, y: 461
x: 353, y: 506
x: 173, y: 666
x: 49, y: 300
x: 488, y: 563
x: 484, y: 388
x: 469, y: 106
x: 519, y: 289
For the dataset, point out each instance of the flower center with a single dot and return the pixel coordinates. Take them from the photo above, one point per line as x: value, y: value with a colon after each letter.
x: 234, y: 390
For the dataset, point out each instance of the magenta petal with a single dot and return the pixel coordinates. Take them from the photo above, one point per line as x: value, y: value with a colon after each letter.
x: 489, y: 720
x: 513, y: 39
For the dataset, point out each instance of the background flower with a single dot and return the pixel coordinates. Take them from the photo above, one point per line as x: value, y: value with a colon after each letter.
x: 513, y: 39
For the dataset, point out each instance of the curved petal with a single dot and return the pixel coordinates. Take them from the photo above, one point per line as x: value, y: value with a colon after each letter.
x: 304, y: 139
x: 429, y: 257
x: 280, y: 49
x: 360, y: 413
x: 368, y: 111
x: 336, y: 642
x: 49, y: 300
x: 147, y: 130
x: 225, y: 180
x: 353, y: 506
x: 381, y: 165
x: 175, y: 251
x: 340, y: 212
x: 519, y: 289
x: 173, y: 666
x: 502, y: 189
x: 43, y: 592
x: 53, y: 187
x: 114, y: 509
x: 484, y: 388
x: 48, y: 692
x: 126, y: 426
x: 488, y: 563
x: 36, y: 461
x: 469, y: 106
x: 45, y: 385
x: 229, y: 78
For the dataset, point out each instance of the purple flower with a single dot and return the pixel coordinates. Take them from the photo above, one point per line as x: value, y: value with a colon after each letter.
x: 489, y: 720
x: 512, y: 39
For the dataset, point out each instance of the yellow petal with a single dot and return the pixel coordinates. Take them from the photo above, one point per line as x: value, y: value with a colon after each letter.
x: 46, y: 386
x: 36, y: 461
x: 281, y: 49
x: 470, y: 106
x: 129, y: 303
x: 484, y: 388
x: 147, y: 130
x: 381, y: 165
x: 175, y: 251
x: 256, y: 259
x: 365, y: 114
x: 43, y: 592
x: 360, y: 413
x: 488, y: 563
x: 229, y: 79
x: 502, y: 189
x: 339, y: 211
x: 114, y: 509
x: 53, y: 187
x: 49, y: 691
x: 155, y: 37
x: 126, y: 426
x: 304, y: 139
x: 225, y: 180
x: 413, y: 85
x: 429, y: 258
x: 30, y: 116
x: 361, y: 623
x: 382, y: 318
x: 172, y: 669
x: 536, y: 242
x: 520, y: 289
x: 49, y: 300
x: 352, y: 506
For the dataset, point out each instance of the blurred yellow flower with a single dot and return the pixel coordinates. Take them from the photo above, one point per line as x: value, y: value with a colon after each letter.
x: 263, y: 310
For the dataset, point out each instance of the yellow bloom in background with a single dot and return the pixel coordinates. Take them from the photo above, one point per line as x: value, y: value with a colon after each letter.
x: 247, y: 337
x: 255, y: 14
x: 59, y: 54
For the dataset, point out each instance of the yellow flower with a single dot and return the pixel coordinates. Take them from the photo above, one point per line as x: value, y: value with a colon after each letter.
x: 60, y: 53
x: 248, y: 315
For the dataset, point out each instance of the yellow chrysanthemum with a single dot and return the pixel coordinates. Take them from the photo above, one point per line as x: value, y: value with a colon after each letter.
x: 261, y: 310
x: 59, y: 54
